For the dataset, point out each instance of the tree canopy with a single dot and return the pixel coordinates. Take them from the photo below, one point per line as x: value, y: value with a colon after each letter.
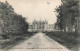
x: 11, y: 22
x: 67, y: 12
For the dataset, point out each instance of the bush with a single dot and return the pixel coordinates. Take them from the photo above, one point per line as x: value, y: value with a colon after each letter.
x: 5, y: 36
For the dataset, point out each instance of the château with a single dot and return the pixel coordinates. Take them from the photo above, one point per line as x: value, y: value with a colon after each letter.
x: 40, y: 26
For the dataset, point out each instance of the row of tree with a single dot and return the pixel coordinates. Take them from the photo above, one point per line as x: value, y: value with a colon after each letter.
x: 67, y: 13
x: 10, y: 22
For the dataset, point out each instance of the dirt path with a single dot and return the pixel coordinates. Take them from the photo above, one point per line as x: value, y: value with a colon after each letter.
x: 39, y: 42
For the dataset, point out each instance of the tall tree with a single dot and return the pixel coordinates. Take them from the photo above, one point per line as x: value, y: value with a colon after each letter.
x: 11, y: 23
x: 67, y: 12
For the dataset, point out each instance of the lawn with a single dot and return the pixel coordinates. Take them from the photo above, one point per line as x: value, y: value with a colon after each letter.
x: 9, y: 43
x: 67, y: 39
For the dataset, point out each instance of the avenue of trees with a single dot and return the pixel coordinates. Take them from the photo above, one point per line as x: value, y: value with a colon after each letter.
x: 10, y: 22
x: 67, y: 13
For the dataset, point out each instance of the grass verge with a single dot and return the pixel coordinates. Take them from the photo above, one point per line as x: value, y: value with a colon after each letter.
x: 67, y: 39
x: 9, y: 43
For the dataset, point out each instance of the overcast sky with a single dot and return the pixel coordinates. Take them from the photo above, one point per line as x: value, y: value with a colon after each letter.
x: 36, y: 9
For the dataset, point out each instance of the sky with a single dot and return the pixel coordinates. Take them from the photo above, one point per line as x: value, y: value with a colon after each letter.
x: 36, y: 9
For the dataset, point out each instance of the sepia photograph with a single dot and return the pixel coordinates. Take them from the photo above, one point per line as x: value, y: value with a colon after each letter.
x: 39, y: 25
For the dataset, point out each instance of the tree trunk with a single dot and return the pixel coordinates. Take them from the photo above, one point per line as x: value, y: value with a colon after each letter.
x: 64, y: 29
x: 77, y: 31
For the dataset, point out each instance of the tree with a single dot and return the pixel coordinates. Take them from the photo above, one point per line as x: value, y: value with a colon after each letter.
x: 67, y: 12
x: 11, y: 23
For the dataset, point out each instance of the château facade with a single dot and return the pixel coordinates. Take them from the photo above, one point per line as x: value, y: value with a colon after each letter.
x: 40, y: 26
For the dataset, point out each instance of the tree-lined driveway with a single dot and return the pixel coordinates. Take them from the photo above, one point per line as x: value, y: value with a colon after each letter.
x: 39, y: 42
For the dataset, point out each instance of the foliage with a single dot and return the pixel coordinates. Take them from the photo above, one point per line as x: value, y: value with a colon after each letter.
x: 10, y: 22
x: 67, y: 12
